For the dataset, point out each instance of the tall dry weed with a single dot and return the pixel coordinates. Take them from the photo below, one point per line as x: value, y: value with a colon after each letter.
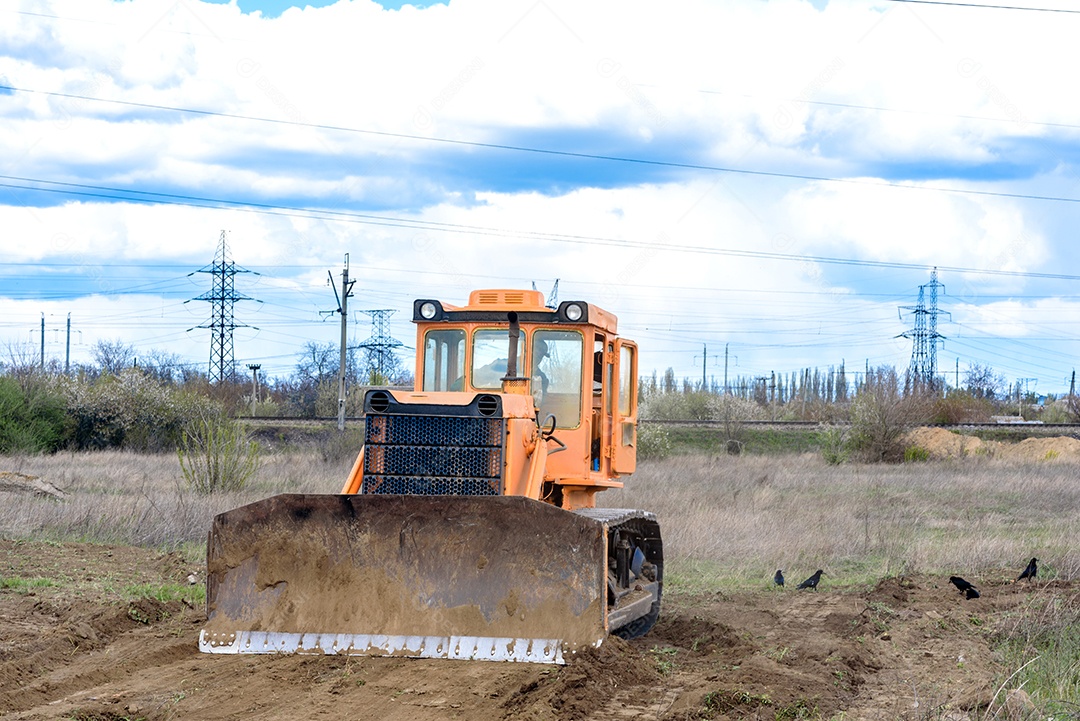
x: 742, y: 517
x: 143, y: 499
x: 729, y: 519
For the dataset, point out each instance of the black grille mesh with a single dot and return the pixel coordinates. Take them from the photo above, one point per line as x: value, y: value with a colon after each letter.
x: 433, y: 455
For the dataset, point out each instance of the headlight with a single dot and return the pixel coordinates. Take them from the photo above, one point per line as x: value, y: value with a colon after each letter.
x: 428, y: 310
x: 573, y: 312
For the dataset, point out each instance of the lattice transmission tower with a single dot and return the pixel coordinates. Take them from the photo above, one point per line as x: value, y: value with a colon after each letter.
x: 925, y: 339
x: 379, y: 348
x: 222, y: 297
x: 553, y: 297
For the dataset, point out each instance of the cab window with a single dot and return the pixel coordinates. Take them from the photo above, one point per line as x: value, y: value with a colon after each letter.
x: 627, y: 382
x: 556, y: 370
x: 489, y: 351
x: 444, y: 360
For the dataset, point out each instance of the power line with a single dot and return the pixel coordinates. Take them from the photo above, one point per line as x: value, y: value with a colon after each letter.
x: 557, y: 153
x: 347, y: 216
x: 986, y: 5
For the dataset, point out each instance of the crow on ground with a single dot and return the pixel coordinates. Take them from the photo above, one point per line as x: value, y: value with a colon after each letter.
x: 964, y: 587
x: 1030, y: 571
x: 778, y: 579
x: 811, y: 582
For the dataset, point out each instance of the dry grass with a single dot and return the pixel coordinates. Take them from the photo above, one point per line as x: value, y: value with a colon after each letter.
x: 736, y: 520
x: 727, y: 520
x: 143, y: 499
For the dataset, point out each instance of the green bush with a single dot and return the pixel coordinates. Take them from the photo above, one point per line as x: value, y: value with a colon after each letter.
x: 32, y: 418
x: 915, y: 454
x: 835, y: 446
x: 131, y: 410
x: 217, y: 454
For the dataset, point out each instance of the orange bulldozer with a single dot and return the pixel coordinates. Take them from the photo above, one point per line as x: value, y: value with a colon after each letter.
x: 468, y: 526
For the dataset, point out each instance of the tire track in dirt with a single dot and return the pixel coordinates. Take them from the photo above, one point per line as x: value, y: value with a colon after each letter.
x: 905, y: 649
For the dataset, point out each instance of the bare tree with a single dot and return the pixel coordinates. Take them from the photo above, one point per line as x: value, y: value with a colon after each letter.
x: 22, y: 360
x: 881, y: 414
x: 113, y: 356
x: 164, y: 366
x: 982, y: 382
x: 317, y: 362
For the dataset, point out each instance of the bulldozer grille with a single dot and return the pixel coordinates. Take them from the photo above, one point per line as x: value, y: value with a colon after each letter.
x: 422, y: 455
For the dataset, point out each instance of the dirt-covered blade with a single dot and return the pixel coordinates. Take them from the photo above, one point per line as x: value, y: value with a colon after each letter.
x: 500, y: 578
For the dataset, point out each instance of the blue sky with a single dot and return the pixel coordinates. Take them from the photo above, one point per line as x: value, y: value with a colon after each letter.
x: 273, y: 9
x: 777, y: 177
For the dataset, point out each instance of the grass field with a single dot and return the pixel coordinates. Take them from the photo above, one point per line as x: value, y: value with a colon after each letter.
x: 727, y: 520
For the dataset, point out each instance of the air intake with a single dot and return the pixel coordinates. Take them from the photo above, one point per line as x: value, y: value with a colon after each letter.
x: 379, y: 401
x: 487, y: 405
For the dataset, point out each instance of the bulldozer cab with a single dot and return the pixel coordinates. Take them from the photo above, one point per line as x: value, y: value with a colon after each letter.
x: 581, y: 375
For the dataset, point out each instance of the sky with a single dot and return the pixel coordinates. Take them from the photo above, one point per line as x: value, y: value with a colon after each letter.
x: 768, y: 182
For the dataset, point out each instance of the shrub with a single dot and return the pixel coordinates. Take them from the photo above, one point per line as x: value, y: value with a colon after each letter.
x: 914, y: 454
x: 835, y: 445
x: 32, y: 417
x: 880, y: 415
x: 654, y: 441
x: 732, y: 411
x: 1057, y: 412
x: 217, y: 454
x: 131, y: 410
x: 962, y: 407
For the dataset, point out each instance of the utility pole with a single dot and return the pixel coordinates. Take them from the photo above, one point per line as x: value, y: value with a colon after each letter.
x: 725, y: 369
x: 67, y: 352
x: 704, y: 357
x: 254, y: 368
x: 342, y: 309
x: 43, y: 341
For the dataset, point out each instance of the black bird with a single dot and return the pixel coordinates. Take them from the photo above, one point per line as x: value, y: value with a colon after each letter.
x: 778, y: 579
x: 1030, y: 571
x: 811, y: 582
x: 964, y: 587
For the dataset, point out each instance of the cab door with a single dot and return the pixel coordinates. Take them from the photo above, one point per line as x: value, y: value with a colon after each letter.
x: 624, y: 425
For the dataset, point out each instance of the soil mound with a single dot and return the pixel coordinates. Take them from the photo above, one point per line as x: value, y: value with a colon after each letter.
x: 942, y: 444
x: 1061, y: 448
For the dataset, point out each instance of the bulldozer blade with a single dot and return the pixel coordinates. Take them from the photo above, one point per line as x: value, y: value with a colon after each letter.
x: 496, y: 578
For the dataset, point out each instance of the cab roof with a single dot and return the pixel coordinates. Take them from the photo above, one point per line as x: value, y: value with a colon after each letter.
x: 495, y: 304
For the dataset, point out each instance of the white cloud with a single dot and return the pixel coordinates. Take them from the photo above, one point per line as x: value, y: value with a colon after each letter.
x: 738, y: 85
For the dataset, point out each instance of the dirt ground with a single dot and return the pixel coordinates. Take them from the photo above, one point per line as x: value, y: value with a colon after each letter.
x: 71, y: 647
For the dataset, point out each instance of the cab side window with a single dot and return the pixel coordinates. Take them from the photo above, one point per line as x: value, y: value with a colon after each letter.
x: 444, y: 360
x: 555, y: 364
